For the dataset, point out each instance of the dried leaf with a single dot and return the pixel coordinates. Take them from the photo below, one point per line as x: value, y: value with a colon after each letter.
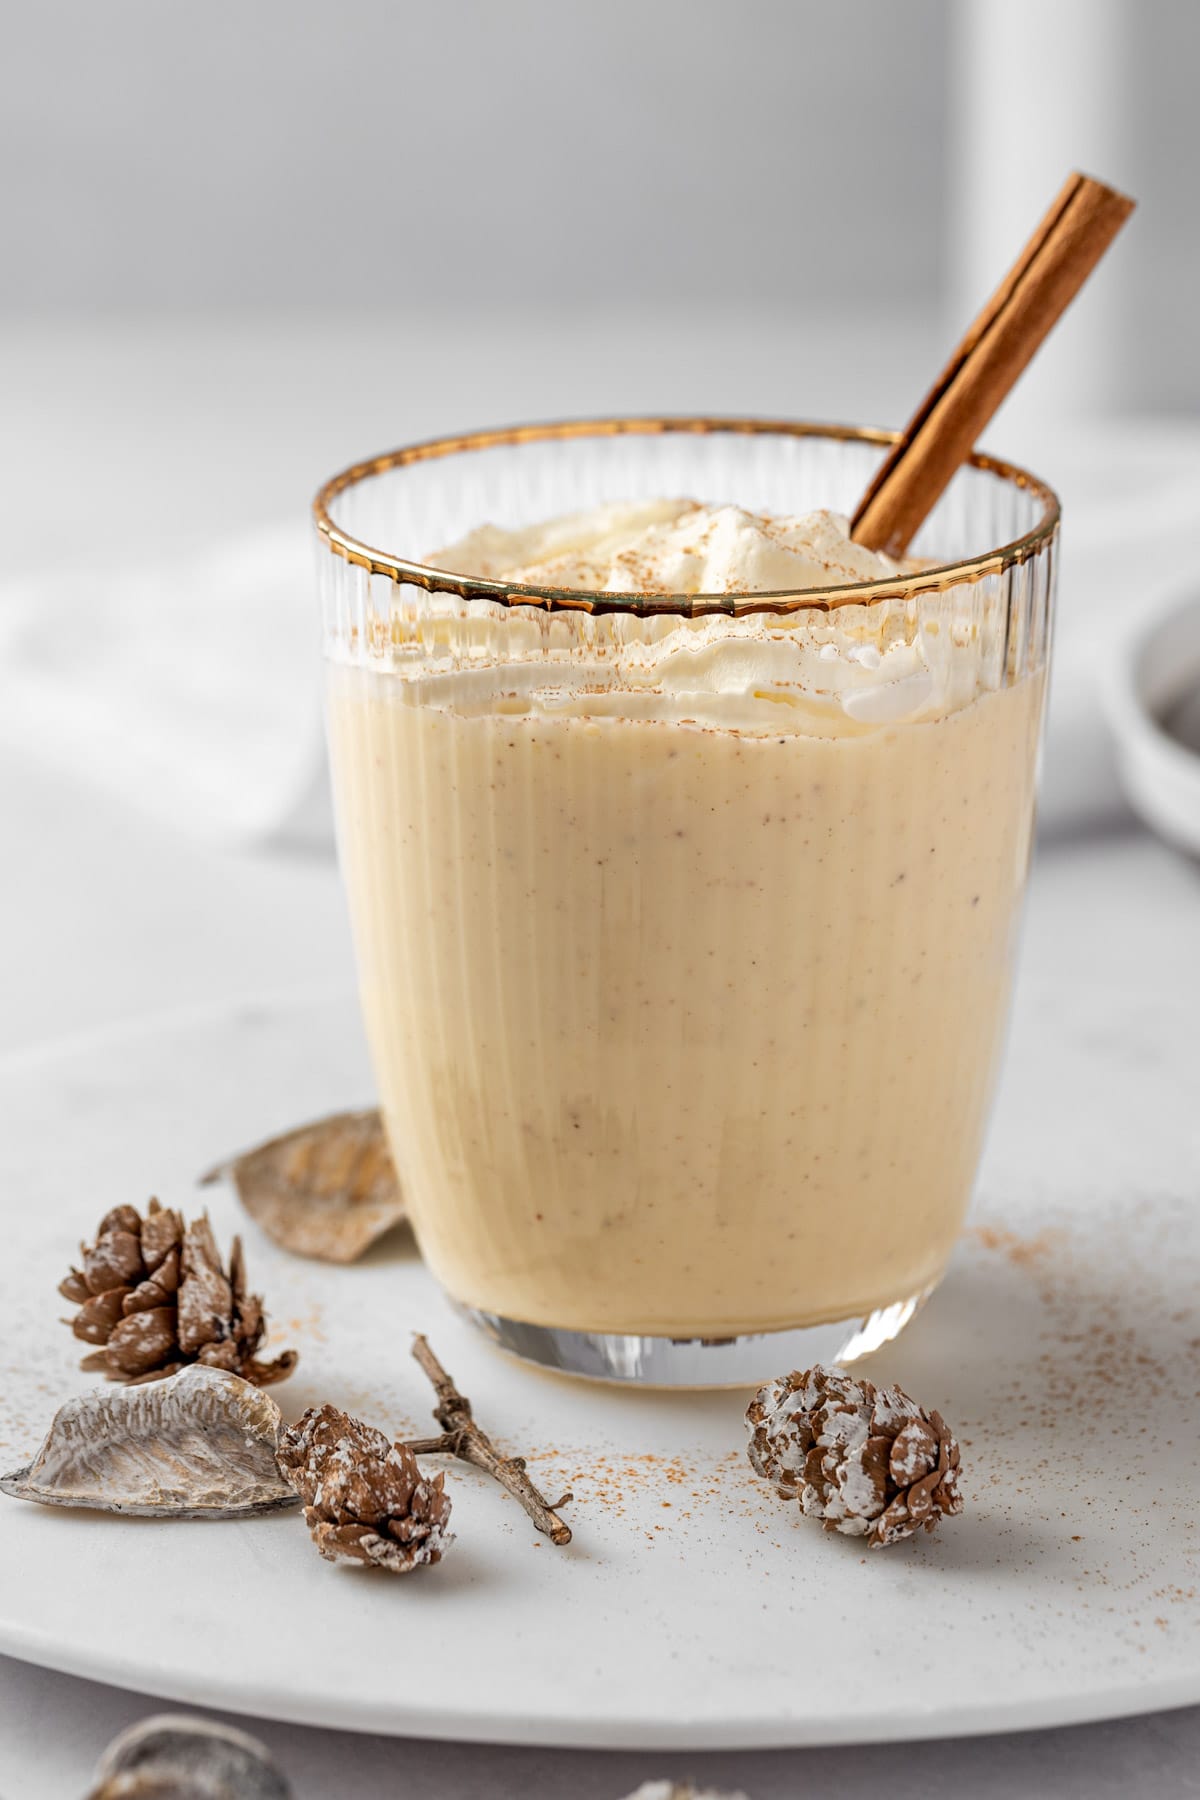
x: 185, y: 1758
x: 200, y: 1445
x: 326, y: 1190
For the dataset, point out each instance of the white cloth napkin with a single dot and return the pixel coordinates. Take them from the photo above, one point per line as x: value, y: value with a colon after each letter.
x: 193, y: 688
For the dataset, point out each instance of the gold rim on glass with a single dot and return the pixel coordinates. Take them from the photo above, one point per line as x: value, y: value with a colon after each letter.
x: 934, y: 579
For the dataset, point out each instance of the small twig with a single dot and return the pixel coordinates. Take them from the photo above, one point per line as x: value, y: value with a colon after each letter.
x: 463, y: 1438
x: 446, y: 1445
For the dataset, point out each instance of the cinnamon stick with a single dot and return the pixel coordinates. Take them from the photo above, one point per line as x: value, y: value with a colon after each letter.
x: 463, y: 1438
x: 1079, y: 227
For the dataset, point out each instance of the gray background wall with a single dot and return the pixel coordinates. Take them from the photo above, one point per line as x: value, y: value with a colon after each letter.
x: 156, y: 152
x: 1162, y: 335
x: 159, y: 155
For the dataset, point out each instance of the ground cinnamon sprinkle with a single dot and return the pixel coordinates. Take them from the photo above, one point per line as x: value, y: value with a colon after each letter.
x: 309, y: 1325
x: 1022, y: 1251
x: 1091, y: 1362
x: 613, y: 1481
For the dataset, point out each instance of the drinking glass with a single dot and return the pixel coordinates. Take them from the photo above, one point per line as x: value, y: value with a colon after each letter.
x: 684, y: 925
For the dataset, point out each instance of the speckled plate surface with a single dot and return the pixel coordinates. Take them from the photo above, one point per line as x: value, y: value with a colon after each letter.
x: 692, y: 1609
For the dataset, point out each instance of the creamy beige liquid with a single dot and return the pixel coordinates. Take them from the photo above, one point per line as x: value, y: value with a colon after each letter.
x: 685, y: 1022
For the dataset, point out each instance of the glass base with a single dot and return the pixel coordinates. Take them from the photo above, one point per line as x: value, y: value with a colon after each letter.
x: 696, y: 1362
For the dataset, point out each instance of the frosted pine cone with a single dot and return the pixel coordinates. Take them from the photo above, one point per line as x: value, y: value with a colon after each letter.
x: 364, y: 1497
x: 155, y: 1295
x: 864, y: 1460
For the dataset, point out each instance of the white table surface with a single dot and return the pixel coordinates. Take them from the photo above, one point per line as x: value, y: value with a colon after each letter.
x: 107, y: 916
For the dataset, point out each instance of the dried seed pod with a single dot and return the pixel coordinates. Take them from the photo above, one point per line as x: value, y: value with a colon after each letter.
x: 326, y: 1190
x: 200, y: 1445
x: 185, y: 1758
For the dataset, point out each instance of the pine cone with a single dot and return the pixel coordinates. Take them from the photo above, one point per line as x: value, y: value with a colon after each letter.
x: 364, y: 1498
x: 867, y: 1461
x: 155, y: 1295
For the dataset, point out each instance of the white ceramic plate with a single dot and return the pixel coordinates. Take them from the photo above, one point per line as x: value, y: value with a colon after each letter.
x: 692, y: 1609
x: 1155, y: 670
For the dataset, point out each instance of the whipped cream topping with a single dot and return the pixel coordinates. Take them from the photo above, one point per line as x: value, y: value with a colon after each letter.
x: 746, y: 675
x: 670, y: 547
x: 842, y: 672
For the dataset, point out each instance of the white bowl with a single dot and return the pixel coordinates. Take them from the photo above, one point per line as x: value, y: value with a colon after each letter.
x: 1158, y: 668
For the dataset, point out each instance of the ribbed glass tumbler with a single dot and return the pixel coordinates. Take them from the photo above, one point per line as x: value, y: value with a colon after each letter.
x: 685, y: 926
